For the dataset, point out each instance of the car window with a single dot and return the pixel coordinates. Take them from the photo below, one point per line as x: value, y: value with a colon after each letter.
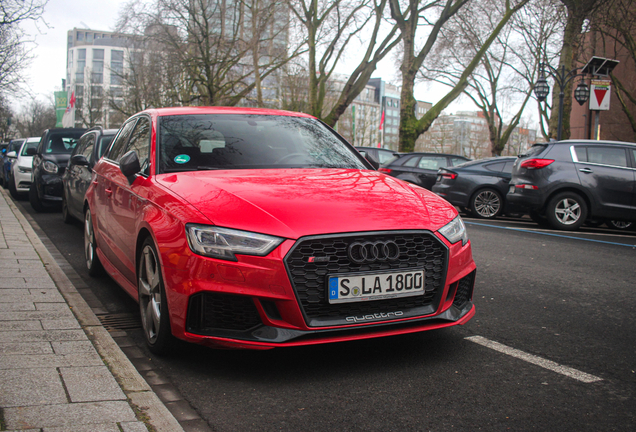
x: 102, y: 145
x: 409, y: 162
x: 385, y: 156
x: 117, y: 148
x: 62, y: 142
x: 535, y: 150
x: 230, y: 141
x: 457, y: 161
x: 27, y: 146
x: 495, y: 167
x: 634, y: 154
x: 140, y: 143
x: 432, y: 162
x: 508, y: 167
x: 15, y: 146
x: 85, y: 145
x: 604, y: 155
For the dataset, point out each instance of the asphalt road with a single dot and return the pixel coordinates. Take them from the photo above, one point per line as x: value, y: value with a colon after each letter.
x: 552, y: 347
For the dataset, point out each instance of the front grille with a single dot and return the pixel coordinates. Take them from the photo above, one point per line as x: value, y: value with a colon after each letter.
x: 464, y: 290
x: 217, y: 311
x: 418, y: 249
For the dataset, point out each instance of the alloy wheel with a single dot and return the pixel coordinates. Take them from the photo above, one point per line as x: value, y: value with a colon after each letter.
x: 487, y: 204
x: 150, y: 293
x: 567, y: 211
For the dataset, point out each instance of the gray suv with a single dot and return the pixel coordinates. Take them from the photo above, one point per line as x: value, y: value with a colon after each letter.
x: 566, y: 183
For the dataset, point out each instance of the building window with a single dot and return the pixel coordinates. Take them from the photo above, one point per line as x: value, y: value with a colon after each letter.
x: 116, y: 67
x: 81, y: 65
x: 98, y: 66
x: 89, y: 37
x: 80, y: 36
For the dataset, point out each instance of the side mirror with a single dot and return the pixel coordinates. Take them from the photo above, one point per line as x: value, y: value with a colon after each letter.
x: 79, y: 159
x: 12, y: 154
x: 31, y: 151
x: 129, y: 165
x: 372, y: 161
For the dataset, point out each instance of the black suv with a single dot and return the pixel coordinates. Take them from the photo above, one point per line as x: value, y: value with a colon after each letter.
x: 566, y: 183
x: 49, y: 162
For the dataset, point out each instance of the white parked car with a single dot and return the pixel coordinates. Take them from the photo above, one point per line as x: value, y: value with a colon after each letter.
x: 21, y: 169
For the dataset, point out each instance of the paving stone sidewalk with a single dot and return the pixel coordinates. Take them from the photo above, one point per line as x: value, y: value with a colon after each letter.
x: 60, y: 370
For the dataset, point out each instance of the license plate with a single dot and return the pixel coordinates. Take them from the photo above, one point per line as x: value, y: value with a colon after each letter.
x: 355, y: 287
x: 511, y: 189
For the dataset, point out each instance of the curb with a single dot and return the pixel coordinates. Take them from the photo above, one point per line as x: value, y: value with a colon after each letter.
x: 146, y: 404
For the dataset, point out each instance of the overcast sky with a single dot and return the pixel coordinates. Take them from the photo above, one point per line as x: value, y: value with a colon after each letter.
x: 48, y: 67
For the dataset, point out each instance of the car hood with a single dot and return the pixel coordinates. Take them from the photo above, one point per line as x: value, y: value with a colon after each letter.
x: 297, y: 202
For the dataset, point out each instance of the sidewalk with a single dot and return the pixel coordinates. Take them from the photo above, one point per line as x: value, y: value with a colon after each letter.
x: 60, y: 370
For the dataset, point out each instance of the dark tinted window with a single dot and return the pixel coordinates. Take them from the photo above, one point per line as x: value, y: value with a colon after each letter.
x: 86, y: 145
x: 140, y: 142
x: 508, y: 167
x: 410, y: 162
x: 15, y: 146
x: 102, y: 145
x: 198, y: 142
x: 535, y: 150
x: 117, y: 149
x: 27, y: 146
x: 604, y: 155
x: 495, y: 167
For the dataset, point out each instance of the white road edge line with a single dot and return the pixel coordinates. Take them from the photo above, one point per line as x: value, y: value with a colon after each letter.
x: 546, y: 364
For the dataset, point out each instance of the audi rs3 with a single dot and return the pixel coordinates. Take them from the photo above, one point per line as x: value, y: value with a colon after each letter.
x: 255, y: 228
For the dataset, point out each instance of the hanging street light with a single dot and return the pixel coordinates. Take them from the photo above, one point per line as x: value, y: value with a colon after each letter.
x: 542, y: 89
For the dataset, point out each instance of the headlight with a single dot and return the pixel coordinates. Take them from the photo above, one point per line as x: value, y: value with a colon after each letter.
x: 223, y: 243
x: 455, y: 231
x: 49, y: 167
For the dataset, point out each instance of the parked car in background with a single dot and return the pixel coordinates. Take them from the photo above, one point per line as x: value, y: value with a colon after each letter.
x: 49, y: 163
x: 20, y: 174
x: 479, y: 186
x: 257, y: 228
x: 421, y: 168
x: 566, y: 183
x: 8, y: 158
x: 79, y: 171
x: 381, y: 155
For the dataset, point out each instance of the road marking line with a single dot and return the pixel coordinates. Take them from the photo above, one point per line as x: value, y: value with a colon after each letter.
x: 533, y: 231
x: 546, y: 364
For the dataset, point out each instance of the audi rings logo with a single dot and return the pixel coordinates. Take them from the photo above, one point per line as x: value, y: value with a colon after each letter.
x: 369, y: 252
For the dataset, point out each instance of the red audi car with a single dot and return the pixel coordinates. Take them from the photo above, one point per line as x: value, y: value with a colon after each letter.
x: 254, y: 228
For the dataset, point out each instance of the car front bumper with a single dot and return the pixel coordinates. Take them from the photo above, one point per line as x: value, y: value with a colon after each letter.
x: 280, y: 300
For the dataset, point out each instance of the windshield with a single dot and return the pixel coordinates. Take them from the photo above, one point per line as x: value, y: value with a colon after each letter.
x: 232, y: 141
x: 62, y: 142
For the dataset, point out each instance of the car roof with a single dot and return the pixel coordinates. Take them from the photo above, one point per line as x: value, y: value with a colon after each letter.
x: 588, y: 141
x: 434, y: 154
x: 221, y: 110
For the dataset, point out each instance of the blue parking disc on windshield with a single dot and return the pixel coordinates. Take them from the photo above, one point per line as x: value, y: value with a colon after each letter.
x: 181, y: 159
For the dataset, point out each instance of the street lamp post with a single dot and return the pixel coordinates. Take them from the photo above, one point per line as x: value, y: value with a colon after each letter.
x: 542, y: 89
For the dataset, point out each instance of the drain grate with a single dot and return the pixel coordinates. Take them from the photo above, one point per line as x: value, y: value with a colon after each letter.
x: 121, y: 321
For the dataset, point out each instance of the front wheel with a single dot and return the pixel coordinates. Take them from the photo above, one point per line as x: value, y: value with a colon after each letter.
x: 567, y: 211
x: 153, y: 305
x: 93, y: 264
x: 34, y: 199
x: 486, y: 204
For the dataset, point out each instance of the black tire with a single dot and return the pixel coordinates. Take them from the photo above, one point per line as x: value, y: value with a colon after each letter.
x: 35, y: 200
x: 93, y: 264
x: 12, y: 189
x: 619, y: 225
x: 153, y: 305
x: 66, y: 216
x: 566, y: 211
x: 486, y: 204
